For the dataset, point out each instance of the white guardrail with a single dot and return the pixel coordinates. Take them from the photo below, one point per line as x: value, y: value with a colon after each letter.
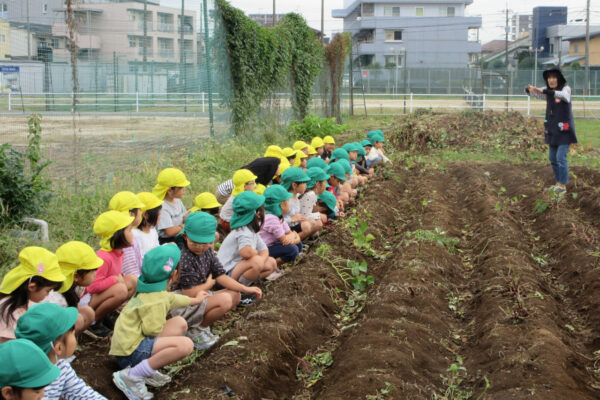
x: 375, y: 103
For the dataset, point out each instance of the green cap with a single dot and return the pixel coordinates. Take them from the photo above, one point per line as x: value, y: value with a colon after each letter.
x: 44, y: 323
x: 291, y: 175
x: 158, y: 265
x: 365, y: 143
x: 375, y: 133
x: 336, y: 169
x: 316, y: 162
x: 316, y: 175
x: 346, y: 165
x: 377, y: 138
x: 274, y: 195
x: 329, y: 199
x: 340, y: 154
x: 200, y: 227
x: 245, y: 205
x: 25, y: 365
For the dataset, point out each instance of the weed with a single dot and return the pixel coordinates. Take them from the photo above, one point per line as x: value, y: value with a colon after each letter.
x: 456, y: 373
x: 381, y: 393
x: 360, y: 280
x: 437, y: 235
x: 310, y: 367
x: 540, y: 206
x: 362, y: 240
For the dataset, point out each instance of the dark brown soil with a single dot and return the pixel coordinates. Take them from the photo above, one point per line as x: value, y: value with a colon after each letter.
x: 516, y: 299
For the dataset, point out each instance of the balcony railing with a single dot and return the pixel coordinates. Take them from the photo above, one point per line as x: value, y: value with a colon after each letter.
x: 186, y: 29
x: 163, y: 27
x: 149, y: 26
x: 166, y: 53
x: 149, y: 51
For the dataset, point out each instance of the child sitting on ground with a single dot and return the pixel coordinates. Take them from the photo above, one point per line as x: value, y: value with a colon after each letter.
x: 294, y: 180
x: 110, y: 288
x: 52, y: 328
x: 317, y: 143
x: 328, y: 205
x: 301, y: 159
x: 328, y: 147
x: 30, y: 371
x: 78, y: 263
x: 128, y: 202
x: 25, y: 285
x: 207, y: 202
x: 284, y: 244
x: 337, y: 177
x: 199, y: 269
x: 243, y: 254
x: 290, y: 154
x: 375, y: 155
x: 170, y: 187
x: 144, y: 339
x: 314, y: 187
x: 243, y: 180
x: 145, y: 234
x: 361, y: 162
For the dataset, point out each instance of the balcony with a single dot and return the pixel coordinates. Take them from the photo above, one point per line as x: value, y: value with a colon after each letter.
x: 149, y: 26
x: 149, y: 51
x: 187, y: 29
x: 164, y: 27
x: 166, y: 53
x: 83, y: 41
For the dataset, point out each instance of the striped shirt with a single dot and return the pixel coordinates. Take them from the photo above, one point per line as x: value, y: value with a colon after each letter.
x: 69, y: 386
x: 225, y: 188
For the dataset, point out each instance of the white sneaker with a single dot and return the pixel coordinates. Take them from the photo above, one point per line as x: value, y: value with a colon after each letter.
x: 209, y: 332
x: 133, y: 388
x: 158, y: 379
x: 204, y: 339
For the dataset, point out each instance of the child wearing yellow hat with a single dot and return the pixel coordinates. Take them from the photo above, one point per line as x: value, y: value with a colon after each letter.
x: 170, y: 187
x: 318, y: 144
x: 25, y: 285
x: 145, y: 235
x: 328, y: 147
x: 27, y: 375
x: 300, y: 145
x: 312, y: 152
x: 144, y: 339
x: 52, y: 329
x: 200, y: 269
x: 243, y: 180
x: 128, y: 202
x: 301, y: 159
x: 78, y: 263
x: 110, y: 288
x: 290, y: 154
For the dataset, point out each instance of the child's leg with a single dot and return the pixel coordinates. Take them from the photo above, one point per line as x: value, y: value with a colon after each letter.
x: 250, y: 269
x: 85, y: 318
x: 109, y: 300
x: 218, y: 304
x: 307, y: 228
x: 171, y: 345
x: 131, y: 282
x: 269, y: 267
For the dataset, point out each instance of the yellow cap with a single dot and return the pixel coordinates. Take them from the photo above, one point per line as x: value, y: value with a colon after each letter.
x: 299, y: 145
x: 299, y: 156
x: 73, y: 256
x: 273, y: 151
x: 312, y: 150
x: 150, y: 200
x: 205, y: 200
x: 168, y: 178
x: 260, y: 189
x: 35, y: 261
x: 125, y: 201
x: 288, y: 152
x: 240, y: 178
x: 108, y: 223
x: 317, y: 142
x: 283, y: 165
x: 328, y: 139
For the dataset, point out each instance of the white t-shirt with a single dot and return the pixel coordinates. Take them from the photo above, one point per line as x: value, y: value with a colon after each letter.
x: 171, y: 215
x: 146, y: 241
x: 294, y: 210
x: 227, y: 209
x: 307, y: 204
x: 229, y: 252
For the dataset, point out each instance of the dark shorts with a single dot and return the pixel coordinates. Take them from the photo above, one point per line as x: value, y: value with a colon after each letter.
x: 141, y: 353
x: 296, y: 228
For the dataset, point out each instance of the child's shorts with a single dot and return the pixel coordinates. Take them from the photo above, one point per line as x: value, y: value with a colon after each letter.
x: 296, y: 228
x: 143, y: 352
x: 193, y: 315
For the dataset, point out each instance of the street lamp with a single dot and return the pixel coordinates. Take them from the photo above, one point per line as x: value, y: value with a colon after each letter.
x: 535, y: 63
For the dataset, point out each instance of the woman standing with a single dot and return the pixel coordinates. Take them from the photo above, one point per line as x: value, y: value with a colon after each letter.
x: 559, y: 124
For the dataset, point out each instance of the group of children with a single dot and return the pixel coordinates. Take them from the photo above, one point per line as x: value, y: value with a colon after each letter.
x: 163, y: 274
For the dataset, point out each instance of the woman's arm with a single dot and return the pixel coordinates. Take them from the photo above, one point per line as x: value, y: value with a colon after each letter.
x: 536, y: 92
x: 564, y: 94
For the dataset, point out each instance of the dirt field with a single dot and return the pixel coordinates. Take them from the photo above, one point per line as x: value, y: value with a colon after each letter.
x: 470, y: 260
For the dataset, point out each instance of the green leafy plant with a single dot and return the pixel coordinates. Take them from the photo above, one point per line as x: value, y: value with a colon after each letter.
x: 360, y: 280
x: 540, y: 206
x: 362, y: 239
x: 310, y: 367
x: 313, y: 125
x: 437, y: 235
x: 381, y: 393
x: 23, y: 188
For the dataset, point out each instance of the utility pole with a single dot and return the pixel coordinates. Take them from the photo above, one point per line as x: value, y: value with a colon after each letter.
x: 145, y: 57
x: 181, y: 46
x: 29, y: 33
x: 208, y: 72
x: 322, y: 21
x: 274, y: 18
x: 506, y: 29
x: 586, y: 89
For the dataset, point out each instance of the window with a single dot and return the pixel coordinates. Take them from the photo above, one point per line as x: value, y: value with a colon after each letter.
x: 551, y: 48
x: 393, y: 36
x: 576, y: 48
x: 2, y: 38
x: 419, y: 11
x: 55, y: 43
x: 391, y: 11
x: 450, y: 12
x: 45, y: 8
x: 368, y: 10
x: 392, y: 61
x: 3, y: 7
x: 132, y: 41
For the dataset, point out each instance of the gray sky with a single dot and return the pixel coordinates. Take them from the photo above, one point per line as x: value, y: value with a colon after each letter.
x: 492, y: 11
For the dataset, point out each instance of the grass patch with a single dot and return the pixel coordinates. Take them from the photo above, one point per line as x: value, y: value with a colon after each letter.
x: 588, y: 132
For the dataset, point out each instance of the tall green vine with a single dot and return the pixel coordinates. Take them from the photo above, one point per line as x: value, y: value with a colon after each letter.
x: 335, y: 54
x: 264, y: 60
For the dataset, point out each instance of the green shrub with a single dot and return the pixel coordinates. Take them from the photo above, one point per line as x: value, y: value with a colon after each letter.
x: 312, y: 126
x: 23, y: 189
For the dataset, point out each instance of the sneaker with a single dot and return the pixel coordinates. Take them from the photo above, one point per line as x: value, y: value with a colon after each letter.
x: 248, y: 300
x: 158, y: 379
x: 98, y: 331
x: 204, y: 340
x: 109, y: 321
x: 209, y: 333
x: 275, y: 275
x: 133, y: 388
x: 560, y: 190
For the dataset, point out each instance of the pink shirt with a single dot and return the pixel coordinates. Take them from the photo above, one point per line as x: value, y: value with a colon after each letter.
x: 272, y: 229
x: 7, y: 328
x: 106, y: 274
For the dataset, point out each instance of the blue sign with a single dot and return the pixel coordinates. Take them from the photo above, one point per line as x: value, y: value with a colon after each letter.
x: 9, y: 69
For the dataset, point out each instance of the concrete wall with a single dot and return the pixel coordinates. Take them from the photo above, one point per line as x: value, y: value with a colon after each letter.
x: 40, y: 11
x: 4, y: 39
x: 577, y: 48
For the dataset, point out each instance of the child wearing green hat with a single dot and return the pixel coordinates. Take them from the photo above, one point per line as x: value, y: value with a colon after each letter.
x: 294, y: 180
x: 337, y: 177
x: 110, y: 287
x: 170, y: 187
x: 28, y: 283
x: 314, y: 187
x: 375, y: 155
x: 243, y: 254
x: 243, y: 180
x: 52, y: 328
x: 200, y: 269
x: 30, y: 371
x: 327, y: 204
x: 144, y: 339
x: 284, y: 244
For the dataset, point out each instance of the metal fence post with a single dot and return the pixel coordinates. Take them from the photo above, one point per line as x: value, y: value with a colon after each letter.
x: 411, y: 102
x: 528, y: 105
x: 9, y: 101
x: 483, y: 103
x: 137, y: 102
x: 202, y: 101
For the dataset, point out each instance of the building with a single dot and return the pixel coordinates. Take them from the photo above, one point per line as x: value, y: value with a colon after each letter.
x: 544, y: 17
x: 115, y: 28
x: 412, y: 33
x: 40, y: 12
x: 4, y: 39
x: 559, y: 45
x: 520, y: 26
x: 30, y: 42
x: 577, y: 49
